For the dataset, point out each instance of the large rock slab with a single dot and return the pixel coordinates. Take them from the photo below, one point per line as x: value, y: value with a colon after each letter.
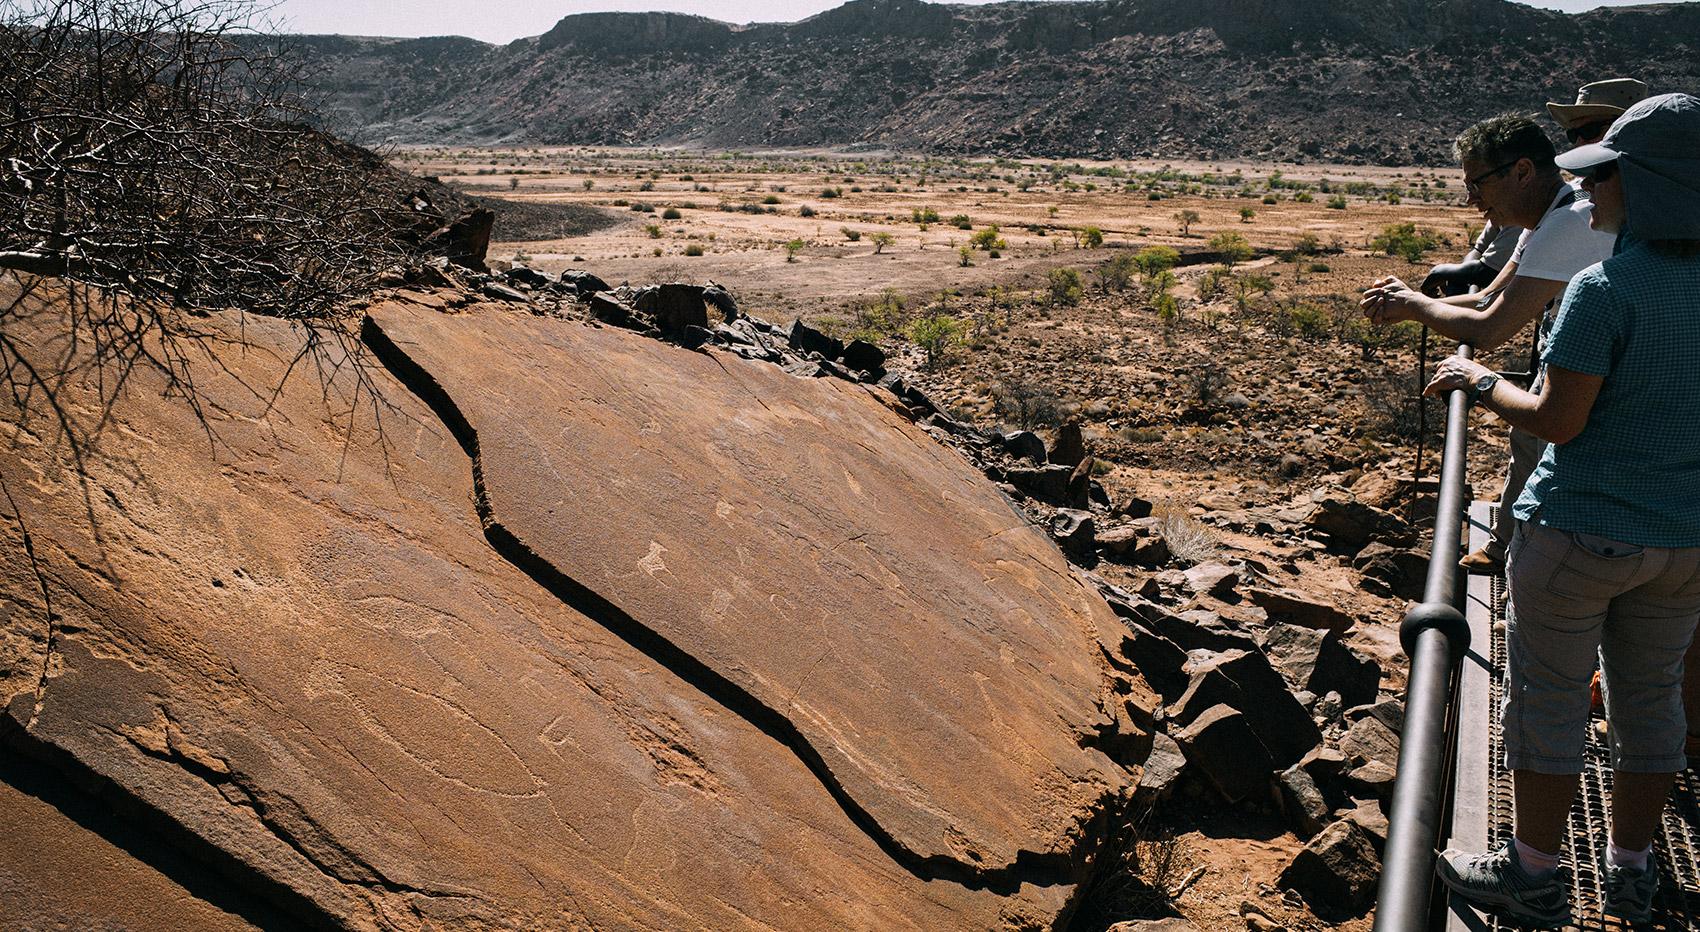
x: 818, y: 561
x: 283, y: 643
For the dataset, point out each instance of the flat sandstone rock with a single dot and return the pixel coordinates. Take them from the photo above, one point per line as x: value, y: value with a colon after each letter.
x: 813, y: 673
x: 823, y: 558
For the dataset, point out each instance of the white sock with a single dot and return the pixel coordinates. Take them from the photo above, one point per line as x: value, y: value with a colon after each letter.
x: 1536, y: 862
x: 1624, y: 857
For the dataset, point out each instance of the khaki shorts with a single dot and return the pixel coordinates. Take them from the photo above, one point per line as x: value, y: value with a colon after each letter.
x: 1578, y: 597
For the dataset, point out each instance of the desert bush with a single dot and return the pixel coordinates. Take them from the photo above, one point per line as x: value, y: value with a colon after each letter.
x: 770, y: 199
x: 988, y: 239
x: 792, y: 247
x: 1117, y: 273
x: 924, y: 215
x: 1246, y: 214
x: 936, y: 334
x: 1309, y: 321
x: 693, y: 249
x: 1271, y: 199
x: 1232, y: 247
x: 1337, y: 202
x: 1189, y: 540
x: 1089, y: 237
x: 1186, y: 218
x: 829, y: 193
x: 881, y: 239
x: 805, y: 211
x: 1247, y: 286
x: 1063, y: 285
x: 1307, y: 245
x: 1154, y: 259
x: 850, y: 234
x: 1205, y: 382
x: 1406, y: 241
x: 1304, y: 197
x: 961, y: 222
x: 671, y: 213
x: 653, y: 230
x: 879, y: 318
x: 1026, y: 405
x: 965, y: 255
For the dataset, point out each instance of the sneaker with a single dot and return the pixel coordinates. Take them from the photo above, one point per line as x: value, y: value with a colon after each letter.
x: 1629, y: 892
x: 1496, y: 882
x: 1482, y: 563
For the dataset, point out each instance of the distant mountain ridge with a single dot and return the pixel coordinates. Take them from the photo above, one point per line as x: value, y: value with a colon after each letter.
x: 1387, y: 81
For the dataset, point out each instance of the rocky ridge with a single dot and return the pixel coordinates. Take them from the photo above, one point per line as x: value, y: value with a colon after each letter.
x: 1363, y: 81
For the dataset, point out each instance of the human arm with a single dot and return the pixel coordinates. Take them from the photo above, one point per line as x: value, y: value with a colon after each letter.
x: 1390, y: 300
x: 1556, y: 414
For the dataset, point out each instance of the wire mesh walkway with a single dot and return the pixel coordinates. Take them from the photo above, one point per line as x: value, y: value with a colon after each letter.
x: 1481, y: 816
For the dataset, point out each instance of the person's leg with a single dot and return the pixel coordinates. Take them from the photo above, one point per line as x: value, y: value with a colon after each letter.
x: 1542, y: 806
x: 1691, y: 699
x: 1637, y: 803
x: 1526, y: 452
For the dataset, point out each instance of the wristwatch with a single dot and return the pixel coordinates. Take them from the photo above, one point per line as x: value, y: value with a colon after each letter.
x: 1481, y: 387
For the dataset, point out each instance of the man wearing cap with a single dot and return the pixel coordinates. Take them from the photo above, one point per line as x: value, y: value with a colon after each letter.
x: 1511, y: 178
x: 1605, y: 560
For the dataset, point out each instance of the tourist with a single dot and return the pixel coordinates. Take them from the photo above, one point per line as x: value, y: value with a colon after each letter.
x: 1511, y: 178
x: 1605, y: 560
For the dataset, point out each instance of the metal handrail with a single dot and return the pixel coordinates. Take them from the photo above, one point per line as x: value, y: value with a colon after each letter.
x: 1435, y: 637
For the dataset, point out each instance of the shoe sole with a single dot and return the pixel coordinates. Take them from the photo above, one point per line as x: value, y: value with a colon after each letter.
x: 1501, y: 905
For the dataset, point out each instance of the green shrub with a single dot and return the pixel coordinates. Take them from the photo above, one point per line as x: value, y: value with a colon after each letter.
x: 693, y: 249
x: 935, y: 334
x: 792, y: 247
x: 1337, y: 202
x: 1310, y: 321
x: 1117, y: 273
x: 881, y: 240
x: 1063, y: 285
x: 1232, y: 247
x: 828, y: 193
x: 988, y: 239
x: 805, y: 211
x: 849, y: 234
x: 1154, y: 259
x: 1307, y: 245
x: 770, y: 199
x: 1089, y: 237
x: 671, y: 213
x: 1405, y: 240
x: 925, y: 215
x: 1304, y: 197
x: 961, y: 222
x: 654, y: 230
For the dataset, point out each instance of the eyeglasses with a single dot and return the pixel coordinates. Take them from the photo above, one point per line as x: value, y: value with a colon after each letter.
x: 1587, y: 131
x: 1603, y: 172
x: 1474, y: 185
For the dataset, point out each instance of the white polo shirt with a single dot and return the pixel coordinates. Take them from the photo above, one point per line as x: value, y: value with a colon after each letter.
x: 1562, y: 244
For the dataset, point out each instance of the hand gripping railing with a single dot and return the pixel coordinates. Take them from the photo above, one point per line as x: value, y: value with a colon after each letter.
x: 1435, y: 637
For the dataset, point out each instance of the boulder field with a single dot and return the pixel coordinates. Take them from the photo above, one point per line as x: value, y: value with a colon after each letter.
x: 491, y: 620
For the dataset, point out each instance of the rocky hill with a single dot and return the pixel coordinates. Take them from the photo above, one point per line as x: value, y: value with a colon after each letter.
x: 1386, y: 81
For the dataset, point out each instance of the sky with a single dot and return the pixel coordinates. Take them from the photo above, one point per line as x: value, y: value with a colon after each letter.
x: 506, y: 20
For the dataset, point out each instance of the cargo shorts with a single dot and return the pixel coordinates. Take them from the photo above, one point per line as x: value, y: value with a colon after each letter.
x: 1577, y: 599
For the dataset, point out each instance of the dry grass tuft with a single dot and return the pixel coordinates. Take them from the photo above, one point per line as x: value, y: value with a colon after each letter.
x: 1188, y: 539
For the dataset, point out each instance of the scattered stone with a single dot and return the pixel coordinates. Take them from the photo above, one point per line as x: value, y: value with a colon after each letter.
x: 1336, y: 873
x: 1300, y: 608
x: 1306, y: 810
x: 1222, y: 744
x: 502, y: 292
x: 1254, y: 688
x: 720, y: 299
x: 861, y: 354
x: 1324, y: 763
x: 1318, y: 661
x: 1048, y: 484
x: 1369, y: 739
x: 608, y: 308
x: 1162, y: 770
x: 1367, y: 815
x: 527, y: 276
x: 1073, y: 530
x: 1134, y: 507
x: 1389, y: 711
x: 584, y: 283
x: 674, y: 306
x: 1170, y: 924
x: 1216, y: 579
x: 1373, y: 779
x: 806, y: 339
x: 1078, y: 494
x: 1156, y: 658
x: 1329, y: 707
x: 1070, y: 447
x: 1403, y: 572
x: 1024, y: 444
x: 466, y: 240
x: 1352, y: 523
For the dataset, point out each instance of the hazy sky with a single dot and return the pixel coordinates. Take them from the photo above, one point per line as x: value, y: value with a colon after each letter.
x: 506, y: 20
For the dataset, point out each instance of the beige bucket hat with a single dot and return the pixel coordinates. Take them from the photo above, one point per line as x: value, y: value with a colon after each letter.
x: 1601, y: 100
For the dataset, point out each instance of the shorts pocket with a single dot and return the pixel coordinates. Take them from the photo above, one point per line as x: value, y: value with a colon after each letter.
x: 1595, y: 567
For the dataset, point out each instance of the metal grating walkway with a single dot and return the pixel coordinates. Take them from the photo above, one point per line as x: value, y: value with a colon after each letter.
x: 1481, y: 815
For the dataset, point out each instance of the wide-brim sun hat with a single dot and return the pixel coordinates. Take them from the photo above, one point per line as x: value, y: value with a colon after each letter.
x: 1600, y: 100
x: 1656, y: 145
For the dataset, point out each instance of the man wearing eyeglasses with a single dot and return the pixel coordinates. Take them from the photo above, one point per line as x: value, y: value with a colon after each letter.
x: 1511, y: 178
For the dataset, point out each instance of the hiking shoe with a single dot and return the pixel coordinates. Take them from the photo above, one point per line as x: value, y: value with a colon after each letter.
x: 1497, y: 883
x: 1482, y: 563
x: 1629, y: 892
